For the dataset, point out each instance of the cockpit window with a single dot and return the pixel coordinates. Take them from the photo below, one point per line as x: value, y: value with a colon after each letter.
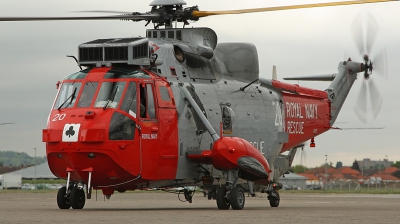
x: 78, y: 75
x: 110, y: 94
x: 121, y: 73
x: 67, y: 96
x: 87, y: 94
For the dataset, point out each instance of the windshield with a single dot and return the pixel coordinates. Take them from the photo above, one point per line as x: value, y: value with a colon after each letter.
x: 110, y: 94
x: 67, y: 95
x: 87, y: 95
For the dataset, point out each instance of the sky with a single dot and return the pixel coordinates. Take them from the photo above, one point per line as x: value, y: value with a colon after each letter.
x: 299, y: 42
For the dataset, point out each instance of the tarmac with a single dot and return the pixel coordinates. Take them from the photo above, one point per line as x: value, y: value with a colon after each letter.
x: 152, y: 207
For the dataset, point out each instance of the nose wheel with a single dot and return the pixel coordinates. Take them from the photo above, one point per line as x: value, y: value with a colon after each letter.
x: 63, y: 198
x: 73, y: 197
x: 77, y: 198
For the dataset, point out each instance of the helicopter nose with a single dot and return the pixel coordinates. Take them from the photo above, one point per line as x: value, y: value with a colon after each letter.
x: 103, y: 166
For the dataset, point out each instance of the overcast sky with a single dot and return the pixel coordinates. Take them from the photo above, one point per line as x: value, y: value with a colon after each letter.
x: 299, y: 42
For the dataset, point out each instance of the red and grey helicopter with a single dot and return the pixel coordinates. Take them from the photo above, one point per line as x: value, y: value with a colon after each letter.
x: 177, y: 108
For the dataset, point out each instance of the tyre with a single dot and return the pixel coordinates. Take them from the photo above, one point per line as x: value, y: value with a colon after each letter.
x: 77, y: 198
x: 222, y: 202
x: 237, y: 198
x: 274, y: 201
x: 62, y: 199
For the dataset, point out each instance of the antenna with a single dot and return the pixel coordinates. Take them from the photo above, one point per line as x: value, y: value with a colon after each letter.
x: 274, y: 76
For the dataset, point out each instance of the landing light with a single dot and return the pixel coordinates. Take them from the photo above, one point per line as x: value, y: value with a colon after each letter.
x: 91, y: 155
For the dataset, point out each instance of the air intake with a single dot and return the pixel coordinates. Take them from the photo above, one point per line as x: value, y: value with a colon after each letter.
x: 132, y: 51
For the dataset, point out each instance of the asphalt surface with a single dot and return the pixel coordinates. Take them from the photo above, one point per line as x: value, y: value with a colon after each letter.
x: 166, y: 208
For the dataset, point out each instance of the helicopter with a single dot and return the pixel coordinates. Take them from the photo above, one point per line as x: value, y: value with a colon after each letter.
x: 177, y: 108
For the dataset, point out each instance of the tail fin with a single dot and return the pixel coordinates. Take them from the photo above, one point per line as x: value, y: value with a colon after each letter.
x: 340, y: 86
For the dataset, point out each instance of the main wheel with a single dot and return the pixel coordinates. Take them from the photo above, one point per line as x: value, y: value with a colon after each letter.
x: 62, y: 199
x: 237, y: 198
x: 274, y: 201
x: 222, y: 202
x: 77, y: 198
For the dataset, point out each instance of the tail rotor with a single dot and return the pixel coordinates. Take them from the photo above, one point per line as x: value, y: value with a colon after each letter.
x: 369, y: 100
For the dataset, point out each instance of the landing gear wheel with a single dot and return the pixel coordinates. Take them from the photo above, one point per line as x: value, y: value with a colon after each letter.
x: 274, y: 200
x: 77, y: 198
x: 237, y: 198
x: 222, y: 202
x: 62, y: 199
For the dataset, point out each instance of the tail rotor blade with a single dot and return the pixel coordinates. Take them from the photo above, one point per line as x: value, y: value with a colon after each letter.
x: 380, y: 64
x: 372, y: 31
x: 361, y: 107
x: 357, y: 31
x: 376, y: 99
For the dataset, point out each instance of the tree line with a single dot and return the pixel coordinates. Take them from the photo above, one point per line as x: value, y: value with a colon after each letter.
x: 19, y: 159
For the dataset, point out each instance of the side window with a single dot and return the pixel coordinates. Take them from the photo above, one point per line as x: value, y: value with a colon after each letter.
x: 121, y: 127
x: 147, y: 107
x: 164, y: 94
x: 129, y: 104
x: 150, y: 102
x: 87, y: 94
x: 165, y: 98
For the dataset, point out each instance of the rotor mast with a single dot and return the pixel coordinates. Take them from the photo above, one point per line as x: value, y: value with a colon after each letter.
x: 169, y: 9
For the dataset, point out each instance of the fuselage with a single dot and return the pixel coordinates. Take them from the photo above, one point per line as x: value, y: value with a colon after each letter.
x: 132, y: 129
x: 124, y: 126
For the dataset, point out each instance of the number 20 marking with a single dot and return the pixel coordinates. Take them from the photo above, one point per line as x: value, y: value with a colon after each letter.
x: 59, y: 117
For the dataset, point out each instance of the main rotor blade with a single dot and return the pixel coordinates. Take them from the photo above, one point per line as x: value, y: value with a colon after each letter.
x: 372, y: 128
x: 278, y: 8
x: 106, y: 11
x: 115, y: 17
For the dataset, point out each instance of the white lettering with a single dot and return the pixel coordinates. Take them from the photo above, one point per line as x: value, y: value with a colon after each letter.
x: 278, y: 113
x: 311, y: 111
x: 293, y: 110
x: 149, y: 136
x: 295, y: 127
x: 59, y: 117
x: 262, y: 147
x: 259, y: 145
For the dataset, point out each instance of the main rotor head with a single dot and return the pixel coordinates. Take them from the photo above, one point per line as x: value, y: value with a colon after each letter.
x: 167, y: 2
